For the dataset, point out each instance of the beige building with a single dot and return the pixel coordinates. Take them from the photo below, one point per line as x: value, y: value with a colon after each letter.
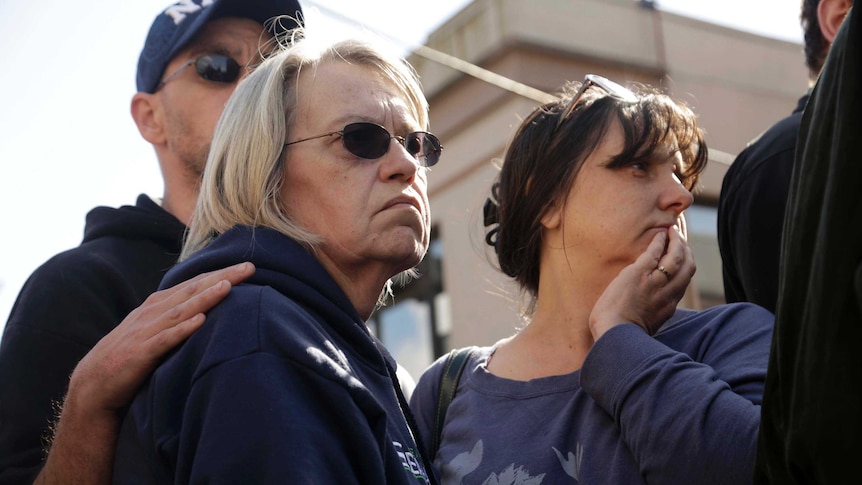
x: 738, y: 83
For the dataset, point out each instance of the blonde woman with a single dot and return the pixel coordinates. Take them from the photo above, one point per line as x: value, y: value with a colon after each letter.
x: 317, y: 176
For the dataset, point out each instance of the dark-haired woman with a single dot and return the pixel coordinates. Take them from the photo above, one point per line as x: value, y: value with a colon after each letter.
x: 607, y: 382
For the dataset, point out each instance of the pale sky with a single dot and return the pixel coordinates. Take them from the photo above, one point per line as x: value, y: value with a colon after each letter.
x: 68, y: 141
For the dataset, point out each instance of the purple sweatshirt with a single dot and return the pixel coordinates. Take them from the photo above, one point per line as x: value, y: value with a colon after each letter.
x: 680, y: 407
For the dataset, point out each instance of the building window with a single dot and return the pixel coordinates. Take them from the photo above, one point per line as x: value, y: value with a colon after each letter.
x: 702, y: 221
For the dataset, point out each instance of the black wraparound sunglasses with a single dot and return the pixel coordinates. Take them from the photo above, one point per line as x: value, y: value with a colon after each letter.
x: 216, y: 68
x: 372, y: 141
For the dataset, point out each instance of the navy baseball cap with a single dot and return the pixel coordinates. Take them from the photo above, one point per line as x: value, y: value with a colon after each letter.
x: 178, y: 24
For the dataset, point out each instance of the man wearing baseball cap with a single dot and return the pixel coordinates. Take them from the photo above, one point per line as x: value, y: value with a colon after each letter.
x: 194, y: 55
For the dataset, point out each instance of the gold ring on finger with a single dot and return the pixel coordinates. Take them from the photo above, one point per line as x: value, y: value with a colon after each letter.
x: 666, y: 272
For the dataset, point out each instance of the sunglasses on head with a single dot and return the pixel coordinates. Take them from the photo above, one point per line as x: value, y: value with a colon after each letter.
x: 216, y: 68
x: 612, y: 89
x: 372, y: 141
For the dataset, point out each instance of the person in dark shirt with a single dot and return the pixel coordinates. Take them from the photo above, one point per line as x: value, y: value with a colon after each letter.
x: 193, y: 57
x: 754, y: 191
x: 811, y: 426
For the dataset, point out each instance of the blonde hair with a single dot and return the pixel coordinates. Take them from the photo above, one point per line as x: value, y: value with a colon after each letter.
x: 243, y: 177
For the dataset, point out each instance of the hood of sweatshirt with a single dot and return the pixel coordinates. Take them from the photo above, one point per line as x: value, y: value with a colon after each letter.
x: 144, y: 220
x: 282, y: 264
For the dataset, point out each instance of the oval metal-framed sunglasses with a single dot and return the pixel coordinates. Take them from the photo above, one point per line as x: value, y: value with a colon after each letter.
x: 217, y: 68
x: 371, y: 141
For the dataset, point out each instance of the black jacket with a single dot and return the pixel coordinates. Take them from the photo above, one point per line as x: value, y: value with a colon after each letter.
x: 812, y: 425
x: 751, y: 213
x: 64, y: 308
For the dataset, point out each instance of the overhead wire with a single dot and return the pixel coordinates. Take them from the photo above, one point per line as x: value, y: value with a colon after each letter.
x: 450, y: 61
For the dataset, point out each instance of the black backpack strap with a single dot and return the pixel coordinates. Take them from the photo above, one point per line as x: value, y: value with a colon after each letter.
x: 455, y: 364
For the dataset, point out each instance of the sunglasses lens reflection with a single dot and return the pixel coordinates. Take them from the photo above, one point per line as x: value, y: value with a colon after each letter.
x: 424, y: 146
x: 366, y: 140
x: 370, y: 141
x: 217, y: 68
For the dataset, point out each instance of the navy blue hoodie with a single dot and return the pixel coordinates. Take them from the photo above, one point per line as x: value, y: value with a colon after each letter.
x: 282, y: 384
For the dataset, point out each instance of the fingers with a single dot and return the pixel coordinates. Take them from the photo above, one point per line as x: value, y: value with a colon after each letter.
x: 183, y: 291
x: 186, y: 304
x: 171, y: 301
x: 203, y: 292
x: 108, y: 376
x: 649, y: 259
x: 234, y: 275
x: 647, y: 292
x: 178, y: 305
x: 664, y: 270
x: 170, y: 337
x: 678, y: 260
x: 675, y: 269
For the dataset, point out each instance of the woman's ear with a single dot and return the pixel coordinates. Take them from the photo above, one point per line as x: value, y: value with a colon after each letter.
x: 553, y: 217
x: 830, y: 14
x: 146, y: 111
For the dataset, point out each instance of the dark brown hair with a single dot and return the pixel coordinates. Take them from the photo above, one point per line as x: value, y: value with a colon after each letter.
x: 541, y: 164
x: 816, y: 46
